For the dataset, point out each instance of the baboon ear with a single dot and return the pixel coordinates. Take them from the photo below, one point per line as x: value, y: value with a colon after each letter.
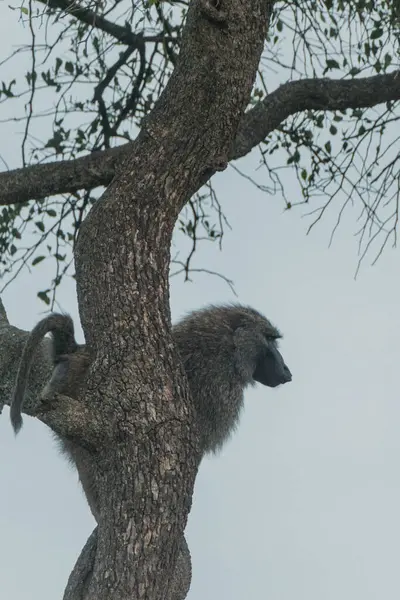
x: 271, y: 369
x: 248, y: 346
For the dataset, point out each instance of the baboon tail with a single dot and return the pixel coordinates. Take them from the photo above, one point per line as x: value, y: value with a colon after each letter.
x: 62, y: 329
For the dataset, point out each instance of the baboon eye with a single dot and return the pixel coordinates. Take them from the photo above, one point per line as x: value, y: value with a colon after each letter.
x: 270, y: 338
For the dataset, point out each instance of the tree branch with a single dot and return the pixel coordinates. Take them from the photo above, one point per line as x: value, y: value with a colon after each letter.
x: 92, y: 18
x: 312, y: 94
x: 66, y: 416
x: 99, y: 168
x: 72, y: 419
x: 61, y: 177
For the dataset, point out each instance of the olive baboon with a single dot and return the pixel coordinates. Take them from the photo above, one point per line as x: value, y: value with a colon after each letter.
x: 223, y: 349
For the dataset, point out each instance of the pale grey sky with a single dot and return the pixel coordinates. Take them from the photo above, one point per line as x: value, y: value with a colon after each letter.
x: 303, y: 502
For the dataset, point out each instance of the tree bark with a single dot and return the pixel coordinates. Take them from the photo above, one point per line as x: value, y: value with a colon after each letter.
x: 79, y: 579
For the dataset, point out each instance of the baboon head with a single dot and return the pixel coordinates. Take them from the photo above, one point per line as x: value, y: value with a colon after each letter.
x: 231, y: 342
x: 256, y: 348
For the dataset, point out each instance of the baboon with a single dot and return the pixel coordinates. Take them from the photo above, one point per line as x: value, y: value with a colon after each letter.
x: 224, y: 349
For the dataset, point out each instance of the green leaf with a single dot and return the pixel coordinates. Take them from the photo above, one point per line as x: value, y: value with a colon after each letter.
x: 331, y: 63
x: 7, y: 90
x: 58, y: 64
x: 295, y: 158
x: 37, y: 260
x: 388, y: 60
x: 44, y: 297
x: 376, y: 33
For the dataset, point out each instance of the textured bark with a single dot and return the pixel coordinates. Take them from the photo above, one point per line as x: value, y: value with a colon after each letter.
x: 99, y: 168
x: 79, y: 579
x: 146, y: 462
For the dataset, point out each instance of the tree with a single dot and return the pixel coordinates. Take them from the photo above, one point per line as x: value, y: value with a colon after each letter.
x: 122, y: 256
x: 313, y: 129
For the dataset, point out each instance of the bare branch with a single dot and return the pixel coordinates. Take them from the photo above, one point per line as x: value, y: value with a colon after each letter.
x: 66, y: 416
x: 99, y: 168
x: 312, y: 94
x: 65, y: 176
x: 90, y: 17
x: 72, y: 419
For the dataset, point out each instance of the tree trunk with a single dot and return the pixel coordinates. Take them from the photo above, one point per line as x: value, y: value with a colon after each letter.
x: 138, y: 419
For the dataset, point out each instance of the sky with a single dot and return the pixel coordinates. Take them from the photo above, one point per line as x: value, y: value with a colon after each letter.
x: 303, y: 500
